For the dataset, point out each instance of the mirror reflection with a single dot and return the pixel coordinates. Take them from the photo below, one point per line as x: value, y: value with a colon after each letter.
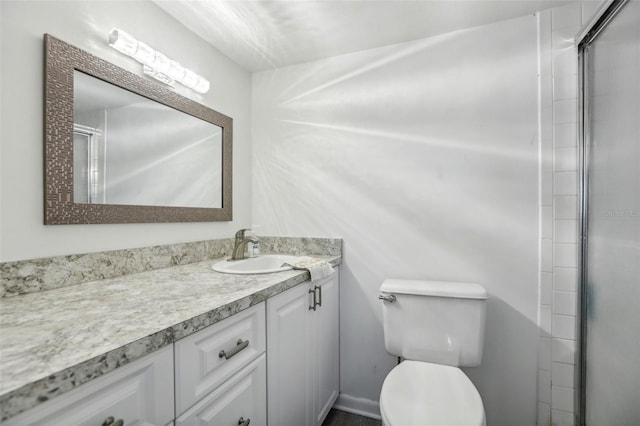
x: 130, y: 150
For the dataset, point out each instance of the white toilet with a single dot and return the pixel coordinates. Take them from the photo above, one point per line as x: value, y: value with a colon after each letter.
x: 436, y: 327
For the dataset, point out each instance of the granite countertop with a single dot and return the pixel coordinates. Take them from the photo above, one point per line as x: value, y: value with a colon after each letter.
x: 55, y: 340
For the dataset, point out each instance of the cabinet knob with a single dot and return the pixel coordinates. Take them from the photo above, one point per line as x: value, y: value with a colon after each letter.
x: 111, y: 421
x: 243, y: 422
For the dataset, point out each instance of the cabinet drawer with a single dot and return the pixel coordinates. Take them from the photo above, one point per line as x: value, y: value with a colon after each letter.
x: 199, y: 366
x: 140, y: 393
x: 243, y: 396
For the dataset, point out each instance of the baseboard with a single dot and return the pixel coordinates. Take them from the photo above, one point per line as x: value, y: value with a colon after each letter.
x: 360, y: 406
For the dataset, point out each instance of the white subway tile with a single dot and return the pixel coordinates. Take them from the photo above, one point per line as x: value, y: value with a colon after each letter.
x: 545, y: 22
x: 565, y: 59
x: 563, y: 39
x: 563, y: 350
x: 565, y: 255
x: 545, y: 322
x: 544, y: 386
x: 565, y: 135
x: 565, y: 231
x: 546, y: 152
x: 565, y: 159
x: 565, y: 111
x: 546, y: 255
x: 544, y: 354
x: 562, y: 418
x: 564, y: 303
x: 546, y: 222
x: 546, y: 155
x: 565, y: 279
x: 546, y: 288
x: 546, y: 189
x: 565, y: 183
x: 566, y: 16
x: 565, y: 86
x: 561, y: 398
x: 563, y: 327
x: 562, y: 375
x: 546, y: 89
x: 565, y: 207
x: 544, y: 414
x: 546, y: 114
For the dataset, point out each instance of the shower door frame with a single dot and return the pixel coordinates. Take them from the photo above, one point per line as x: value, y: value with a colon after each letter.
x: 599, y: 22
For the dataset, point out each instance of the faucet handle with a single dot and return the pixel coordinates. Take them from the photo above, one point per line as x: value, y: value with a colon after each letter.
x: 240, y: 233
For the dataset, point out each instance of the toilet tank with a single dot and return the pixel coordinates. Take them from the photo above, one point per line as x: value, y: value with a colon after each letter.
x: 435, y: 321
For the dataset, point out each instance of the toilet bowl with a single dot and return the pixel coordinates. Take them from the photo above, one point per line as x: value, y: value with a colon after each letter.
x: 424, y: 394
x: 436, y: 327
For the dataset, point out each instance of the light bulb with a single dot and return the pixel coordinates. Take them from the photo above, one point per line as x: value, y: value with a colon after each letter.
x: 202, y: 86
x: 176, y: 71
x: 162, y: 63
x: 145, y: 53
x: 190, y: 79
x: 123, y: 41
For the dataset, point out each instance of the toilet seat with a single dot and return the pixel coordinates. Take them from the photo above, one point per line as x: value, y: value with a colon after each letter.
x: 425, y: 394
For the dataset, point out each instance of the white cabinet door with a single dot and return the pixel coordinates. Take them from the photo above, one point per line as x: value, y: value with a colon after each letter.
x: 303, y: 353
x: 289, y: 369
x: 326, y: 348
x: 239, y: 401
x: 140, y: 393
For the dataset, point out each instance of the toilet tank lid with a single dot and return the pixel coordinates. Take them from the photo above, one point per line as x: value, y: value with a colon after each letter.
x: 434, y: 288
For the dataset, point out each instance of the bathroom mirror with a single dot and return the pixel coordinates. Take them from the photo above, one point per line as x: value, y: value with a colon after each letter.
x: 122, y: 149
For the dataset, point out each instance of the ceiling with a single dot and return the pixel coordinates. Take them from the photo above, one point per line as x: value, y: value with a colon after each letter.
x: 261, y: 35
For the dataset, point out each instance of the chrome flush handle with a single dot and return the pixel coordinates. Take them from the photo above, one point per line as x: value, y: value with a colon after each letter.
x: 111, y: 421
x: 390, y: 298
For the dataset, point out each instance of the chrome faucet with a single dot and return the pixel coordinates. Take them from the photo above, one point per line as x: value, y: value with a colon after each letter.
x: 240, y: 243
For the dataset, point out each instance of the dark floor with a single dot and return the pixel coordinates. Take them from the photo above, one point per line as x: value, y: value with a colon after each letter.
x: 342, y: 418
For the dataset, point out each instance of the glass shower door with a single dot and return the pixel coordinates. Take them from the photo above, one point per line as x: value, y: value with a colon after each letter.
x: 611, y: 260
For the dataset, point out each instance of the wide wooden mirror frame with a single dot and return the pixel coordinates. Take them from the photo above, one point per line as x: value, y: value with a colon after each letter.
x: 61, y: 60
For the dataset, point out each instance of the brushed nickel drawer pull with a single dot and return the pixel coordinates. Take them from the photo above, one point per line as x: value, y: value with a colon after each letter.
x: 319, y: 288
x: 315, y: 302
x: 240, y: 345
x: 243, y: 422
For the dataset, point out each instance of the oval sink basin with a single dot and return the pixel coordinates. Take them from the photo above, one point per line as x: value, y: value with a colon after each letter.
x: 264, y: 264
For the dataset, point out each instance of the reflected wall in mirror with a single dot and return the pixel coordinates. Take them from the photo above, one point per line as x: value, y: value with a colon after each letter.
x: 128, y: 149
x: 121, y: 149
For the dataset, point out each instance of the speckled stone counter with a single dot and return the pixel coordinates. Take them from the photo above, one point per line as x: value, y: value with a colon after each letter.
x: 55, y: 340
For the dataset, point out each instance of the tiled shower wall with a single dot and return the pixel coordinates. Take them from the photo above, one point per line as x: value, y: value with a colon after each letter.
x: 558, y: 29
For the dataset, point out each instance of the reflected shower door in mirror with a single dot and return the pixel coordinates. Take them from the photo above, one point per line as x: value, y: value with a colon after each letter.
x: 128, y: 149
x: 120, y: 148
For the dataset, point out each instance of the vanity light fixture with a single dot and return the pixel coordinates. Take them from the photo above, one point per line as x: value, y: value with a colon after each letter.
x: 156, y: 64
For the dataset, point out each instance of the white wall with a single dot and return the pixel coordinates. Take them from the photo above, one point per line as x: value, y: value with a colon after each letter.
x: 424, y: 157
x: 86, y: 25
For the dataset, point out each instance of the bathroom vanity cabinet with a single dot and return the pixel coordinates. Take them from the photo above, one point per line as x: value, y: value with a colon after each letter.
x: 140, y: 393
x: 303, y: 353
x: 220, y: 378
x: 277, y: 347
